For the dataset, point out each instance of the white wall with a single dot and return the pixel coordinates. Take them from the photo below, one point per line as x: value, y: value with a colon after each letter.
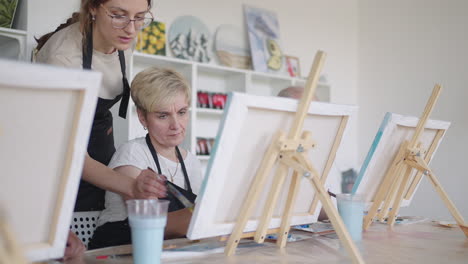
x: 405, y: 47
x: 305, y: 27
x: 383, y: 55
x: 45, y: 16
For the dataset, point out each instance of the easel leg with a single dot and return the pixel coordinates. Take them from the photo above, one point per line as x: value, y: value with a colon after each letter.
x: 453, y: 210
x: 254, y: 192
x: 399, y: 197
x: 382, y: 191
x: 331, y: 159
x: 336, y: 221
x: 280, y: 175
x: 286, y: 220
x: 384, y: 210
x: 292, y: 194
x: 381, y: 194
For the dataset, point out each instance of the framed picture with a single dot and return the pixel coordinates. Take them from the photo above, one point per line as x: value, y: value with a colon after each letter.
x: 293, y: 66
x: 152, y: 39
x: 264, y: 38
x: 190, y: 39
x: 42, y: 158
x: 249, y: 122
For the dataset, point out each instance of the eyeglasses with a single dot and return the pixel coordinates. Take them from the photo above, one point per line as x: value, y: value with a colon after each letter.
x: 120, y: 22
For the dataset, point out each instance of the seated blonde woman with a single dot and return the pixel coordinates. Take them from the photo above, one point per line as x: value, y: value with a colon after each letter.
x: 162, y: 97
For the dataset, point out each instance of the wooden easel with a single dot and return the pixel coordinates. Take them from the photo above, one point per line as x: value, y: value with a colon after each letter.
x: 291, y: 152
x: 10, y: 251
x: 410, y: 156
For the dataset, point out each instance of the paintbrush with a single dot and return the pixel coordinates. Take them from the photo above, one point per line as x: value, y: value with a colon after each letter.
x: 177, y: 194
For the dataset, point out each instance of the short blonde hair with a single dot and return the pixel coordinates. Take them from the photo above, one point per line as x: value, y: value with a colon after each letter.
x: 155, y: 87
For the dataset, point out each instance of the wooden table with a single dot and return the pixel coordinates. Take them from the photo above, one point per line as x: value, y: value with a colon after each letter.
x: 424, y: 242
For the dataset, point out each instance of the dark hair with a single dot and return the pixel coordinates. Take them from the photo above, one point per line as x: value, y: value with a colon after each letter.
x: 84, y: 17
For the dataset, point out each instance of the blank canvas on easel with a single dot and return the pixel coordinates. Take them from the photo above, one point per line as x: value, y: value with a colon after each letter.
x: 393, y: 131
x: 246, y: 131
x: 45, y: 123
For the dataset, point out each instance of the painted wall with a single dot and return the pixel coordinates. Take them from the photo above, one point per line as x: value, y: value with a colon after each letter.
x: 405, y: 47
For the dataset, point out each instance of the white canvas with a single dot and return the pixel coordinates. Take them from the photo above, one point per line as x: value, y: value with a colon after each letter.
x: 393, y: 131
x: 45, y: 123
x: 249, y: 122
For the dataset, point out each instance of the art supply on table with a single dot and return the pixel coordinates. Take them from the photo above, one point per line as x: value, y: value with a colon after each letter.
x: 199, y: 248
x: 291, y: 237
x: 319, y: 228
x: 406, y: 220
x: 351, y: 209
x: 114, y: 256
x: 447, y: 223
x: 147, y: 219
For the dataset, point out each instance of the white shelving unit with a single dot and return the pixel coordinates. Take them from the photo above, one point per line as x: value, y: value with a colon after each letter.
x: 13, y: 44
x: 212, y: 78
x: 31, y: 21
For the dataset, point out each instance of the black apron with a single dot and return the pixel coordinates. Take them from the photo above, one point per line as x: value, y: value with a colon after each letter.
x: 101, y: 142
x: 118, y: 232
x: 174, y: 203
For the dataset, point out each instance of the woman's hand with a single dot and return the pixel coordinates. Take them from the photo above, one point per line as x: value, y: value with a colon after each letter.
x: 149, y: 185
x: 74, y: 248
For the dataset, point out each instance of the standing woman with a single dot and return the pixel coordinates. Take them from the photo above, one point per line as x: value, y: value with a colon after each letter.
x: 100, y: 38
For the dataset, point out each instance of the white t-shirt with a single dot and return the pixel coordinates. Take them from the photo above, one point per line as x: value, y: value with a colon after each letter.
x: 136, y: 153
x: 64, y: 48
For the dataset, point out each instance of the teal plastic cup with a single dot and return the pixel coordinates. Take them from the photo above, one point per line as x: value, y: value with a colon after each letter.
x: 351, y: 209
x: 147, y: 219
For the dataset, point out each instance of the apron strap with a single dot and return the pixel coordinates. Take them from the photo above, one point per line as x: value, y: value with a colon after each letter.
x: 88, y: 50
x: 126, y: 87
x: 87, y: 61
x: 181, y: 160
x: 179, y: 157
x: 153, y: 153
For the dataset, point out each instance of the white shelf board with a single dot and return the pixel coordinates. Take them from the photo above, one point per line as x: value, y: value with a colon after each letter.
x: 271, y: 76
x: 203, y: 157
x: 17, y: 32
x: 209, y: 111
x: 220, y: 69
x: 143, y: 57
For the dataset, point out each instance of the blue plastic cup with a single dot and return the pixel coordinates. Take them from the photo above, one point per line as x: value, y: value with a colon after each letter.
x: 147, y: 219
x: 351, y: 209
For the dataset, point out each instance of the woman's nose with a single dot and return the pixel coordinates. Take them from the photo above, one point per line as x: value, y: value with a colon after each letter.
x: 130, y: 28
x: 175, y: 123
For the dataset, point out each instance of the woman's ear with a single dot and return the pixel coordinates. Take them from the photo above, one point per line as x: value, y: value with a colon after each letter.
x: 142, y: 117
x: 93, y: 11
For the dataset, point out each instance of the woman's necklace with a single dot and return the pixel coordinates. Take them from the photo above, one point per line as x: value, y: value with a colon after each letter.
x: 172, y: 175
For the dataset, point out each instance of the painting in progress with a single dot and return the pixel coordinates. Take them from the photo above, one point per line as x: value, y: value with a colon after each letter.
x: 248, y: 126
x: 44, y: 132
x: 393, y: 131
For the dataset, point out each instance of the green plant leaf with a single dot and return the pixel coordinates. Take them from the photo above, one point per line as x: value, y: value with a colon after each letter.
x: 7, y: 10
